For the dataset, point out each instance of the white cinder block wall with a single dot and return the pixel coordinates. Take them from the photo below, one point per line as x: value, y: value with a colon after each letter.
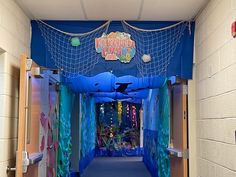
x: 15, y: 35
x: 215, y: 57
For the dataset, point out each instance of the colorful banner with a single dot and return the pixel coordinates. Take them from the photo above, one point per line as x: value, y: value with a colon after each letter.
x: 116, y: 46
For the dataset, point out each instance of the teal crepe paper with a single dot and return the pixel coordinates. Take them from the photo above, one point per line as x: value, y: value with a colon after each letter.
x: 163, y: 133
x: 88, y: 125
x: 64, y: 149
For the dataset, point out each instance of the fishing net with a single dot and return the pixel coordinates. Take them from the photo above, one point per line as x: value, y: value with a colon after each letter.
x: 73, y: 53
x: 155, y: 48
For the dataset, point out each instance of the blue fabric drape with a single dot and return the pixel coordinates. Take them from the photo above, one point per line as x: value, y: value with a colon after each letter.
x: 180, y: 65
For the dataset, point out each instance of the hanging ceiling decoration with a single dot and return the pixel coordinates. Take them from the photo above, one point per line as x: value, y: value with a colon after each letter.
x: 73, y: 53
x: 116, y: 46
x: 107, y: 82
x: 151, y: 50
x: 155, y: 47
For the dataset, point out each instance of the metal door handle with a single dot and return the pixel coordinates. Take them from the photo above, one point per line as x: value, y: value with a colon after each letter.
x: 10, y: 169
x: 35, y: 158
x: 178, y: 153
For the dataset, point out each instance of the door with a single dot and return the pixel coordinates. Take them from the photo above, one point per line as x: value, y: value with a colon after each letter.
x: 28, y: 124
x: 179, y: 131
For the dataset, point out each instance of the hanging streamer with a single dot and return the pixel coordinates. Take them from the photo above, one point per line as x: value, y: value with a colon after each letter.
x: 119, y: 112
x: 64, y: 149
x: 163, y: 133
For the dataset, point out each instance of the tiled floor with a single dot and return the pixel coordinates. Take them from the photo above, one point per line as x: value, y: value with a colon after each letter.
x: 117, y: 167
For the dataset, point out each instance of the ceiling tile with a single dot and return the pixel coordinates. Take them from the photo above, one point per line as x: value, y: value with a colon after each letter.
x: 112, y: 9
x: 156, y: 10
x: 54, y: 9
x: 169, y: 10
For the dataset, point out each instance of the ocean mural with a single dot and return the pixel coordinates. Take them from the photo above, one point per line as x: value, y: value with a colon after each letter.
x: 53, y: 127
x: 49, y: 125
x: 156, y: 132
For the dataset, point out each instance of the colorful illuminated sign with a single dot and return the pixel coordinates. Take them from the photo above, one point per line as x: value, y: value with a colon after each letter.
x: 116, y: 46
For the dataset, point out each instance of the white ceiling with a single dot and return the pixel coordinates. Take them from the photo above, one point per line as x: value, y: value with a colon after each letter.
x: 156, y: 10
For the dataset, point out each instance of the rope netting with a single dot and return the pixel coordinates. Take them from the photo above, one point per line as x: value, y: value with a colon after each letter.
x: 72, y: 53
x: 156, y: 47
x: 76, y: 55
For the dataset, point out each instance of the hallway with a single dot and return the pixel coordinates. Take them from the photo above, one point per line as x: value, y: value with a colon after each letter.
x: 116, y: 167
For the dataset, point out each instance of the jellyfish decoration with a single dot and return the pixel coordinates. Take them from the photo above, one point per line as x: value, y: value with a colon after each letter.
x: 111, y: 122
x: 119, y: 112
x: 134, y: 117
x: 102, y: 112
x: 127, y: 111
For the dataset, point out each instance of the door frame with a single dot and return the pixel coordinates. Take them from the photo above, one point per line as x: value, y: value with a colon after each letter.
x: 21, y: 146
x: 28, y: 72
x: 179, y: 156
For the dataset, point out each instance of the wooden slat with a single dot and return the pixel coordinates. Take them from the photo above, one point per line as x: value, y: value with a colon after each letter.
x: 185, y: 131
x: 33, y: 146
x: 22, y: 117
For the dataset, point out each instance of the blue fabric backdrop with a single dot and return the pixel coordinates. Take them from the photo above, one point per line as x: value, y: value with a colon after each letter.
x: 181, y: 63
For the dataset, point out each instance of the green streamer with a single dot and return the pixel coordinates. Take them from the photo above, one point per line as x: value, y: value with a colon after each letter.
x: 163, y: 133
x: 64, y: 149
